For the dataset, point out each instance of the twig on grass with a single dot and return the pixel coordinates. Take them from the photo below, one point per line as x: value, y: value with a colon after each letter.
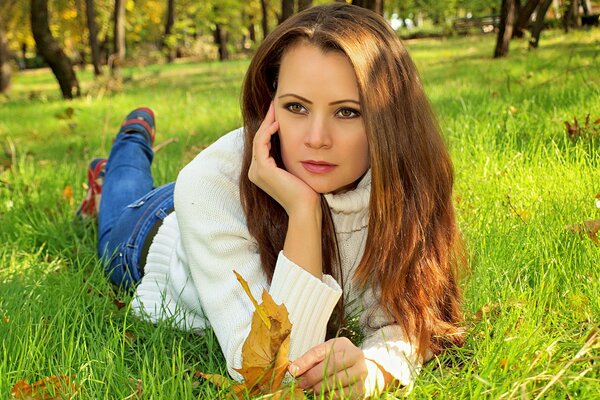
x: 164, y: 144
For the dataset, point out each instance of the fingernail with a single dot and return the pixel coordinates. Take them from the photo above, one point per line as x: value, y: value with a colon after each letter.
x: 294, y: 369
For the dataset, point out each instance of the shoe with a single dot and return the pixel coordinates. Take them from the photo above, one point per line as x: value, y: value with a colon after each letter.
x: 140, y: 120
x: 95, y: 175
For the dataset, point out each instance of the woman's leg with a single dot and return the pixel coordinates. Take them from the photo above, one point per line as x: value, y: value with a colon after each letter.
x: 127, y: 178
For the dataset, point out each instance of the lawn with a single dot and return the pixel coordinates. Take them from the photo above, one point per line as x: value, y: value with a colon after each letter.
x: 532, y: 303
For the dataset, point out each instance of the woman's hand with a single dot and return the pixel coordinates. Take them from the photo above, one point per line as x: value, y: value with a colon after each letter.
x: 338, y: 368
x: 288, y: 190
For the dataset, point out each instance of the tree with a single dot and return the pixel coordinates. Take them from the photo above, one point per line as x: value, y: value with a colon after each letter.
x: 51, y: 51
x: 264, y: 4
x: 118, y: 55
x: 571, y: 16
x: 525, y: 13
x: 220, y: 33
x: 5, y: 70
x: 170, y: 21
x: 373, y: 5
x: 287, y: 9
x: 507, y: 20
x: 93, y: 36
x: 539, y: 23
x: 6, y: 9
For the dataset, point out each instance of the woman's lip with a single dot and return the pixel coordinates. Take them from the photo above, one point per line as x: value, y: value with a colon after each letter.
x: 317, y: 167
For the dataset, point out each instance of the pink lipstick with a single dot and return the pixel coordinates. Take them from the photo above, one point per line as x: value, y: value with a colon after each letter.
x: 318, y: 167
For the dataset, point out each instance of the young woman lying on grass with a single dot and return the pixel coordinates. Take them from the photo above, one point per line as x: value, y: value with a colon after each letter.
x: 336, y: 196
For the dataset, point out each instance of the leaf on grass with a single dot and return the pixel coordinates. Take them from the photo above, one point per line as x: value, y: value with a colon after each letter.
x: 589, y: 228
x: 130, y: 337
x: 576, y: 131
x: 68, y: 194
x: 119, y: 304
x: 67, y: 114
x: 264, y: 353
x: 285, y: 393
x: 48, y: 388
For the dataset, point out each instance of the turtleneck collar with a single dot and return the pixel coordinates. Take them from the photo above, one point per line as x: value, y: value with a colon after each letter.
x: 350, y: 210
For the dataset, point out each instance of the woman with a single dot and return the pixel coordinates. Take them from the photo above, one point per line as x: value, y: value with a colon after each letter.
x: 338, y: 183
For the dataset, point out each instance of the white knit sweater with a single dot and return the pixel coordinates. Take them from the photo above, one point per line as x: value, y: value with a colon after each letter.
x: 189, y: 279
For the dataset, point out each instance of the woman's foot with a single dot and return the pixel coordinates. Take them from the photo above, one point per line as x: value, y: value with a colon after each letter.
x: 140, y: 120
x: 91, y: 203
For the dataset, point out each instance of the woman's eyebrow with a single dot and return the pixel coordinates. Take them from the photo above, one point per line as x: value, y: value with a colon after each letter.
x: 310, y: 102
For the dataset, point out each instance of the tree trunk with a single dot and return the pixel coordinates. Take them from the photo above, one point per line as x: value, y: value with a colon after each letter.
x: 373, y: 5
x: 264, y: 4
x: 220, y: 35
x: 5, y: 71
x: 507, y: 20
x: 587, y: 7
x: 169, y: 30
x: 252, y: 30
x: 524, y: 16
x: 118, y: 55
x: 51, y: 51
x: 287, y: 9
x: 539, y: 23
x: 93, y: 32
x: 304, y: 4
x: 571, y: 17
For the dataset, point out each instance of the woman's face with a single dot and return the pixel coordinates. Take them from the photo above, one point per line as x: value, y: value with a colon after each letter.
x: 321, y: 131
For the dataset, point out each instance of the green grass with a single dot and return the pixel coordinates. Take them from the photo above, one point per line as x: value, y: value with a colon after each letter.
x: 519, y: 182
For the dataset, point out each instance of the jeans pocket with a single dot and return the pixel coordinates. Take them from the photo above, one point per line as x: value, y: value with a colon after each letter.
x: 140, y: 202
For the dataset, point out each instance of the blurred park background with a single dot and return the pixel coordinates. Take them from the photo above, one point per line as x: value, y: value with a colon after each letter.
x: 106, y: 35
x: 516, y: 87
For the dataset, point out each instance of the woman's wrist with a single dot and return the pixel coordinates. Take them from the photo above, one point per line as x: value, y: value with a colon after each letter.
x: 303, y: 239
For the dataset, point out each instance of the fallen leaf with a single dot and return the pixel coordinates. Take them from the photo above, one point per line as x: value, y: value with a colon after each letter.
x: 590, y: 228
x: 575, y: 131
x: 119, y: 304
x: 130, y: 337
x: 48, y: 388
x: 264, y: 353
x: 66, y: 114
x: 503, y: 363
x: 68, y: 194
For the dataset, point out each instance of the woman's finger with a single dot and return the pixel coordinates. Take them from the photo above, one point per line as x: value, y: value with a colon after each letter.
x: 319, y: 352
x: 351, y: 377
x: 262, y: 138
x: 309, y: 359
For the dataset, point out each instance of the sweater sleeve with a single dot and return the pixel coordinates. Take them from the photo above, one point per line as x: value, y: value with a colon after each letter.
x: 387, y: 344
x: 216, y: 241
x: 390, y: 349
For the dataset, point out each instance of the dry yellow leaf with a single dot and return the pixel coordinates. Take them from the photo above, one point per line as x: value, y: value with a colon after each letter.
x: 264, y: 353
x: 48, y: 388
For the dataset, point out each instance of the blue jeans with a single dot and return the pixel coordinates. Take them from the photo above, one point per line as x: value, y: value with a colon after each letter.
x: 129, y: 208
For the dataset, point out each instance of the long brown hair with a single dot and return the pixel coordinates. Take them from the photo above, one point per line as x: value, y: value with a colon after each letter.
x: 412, y: 236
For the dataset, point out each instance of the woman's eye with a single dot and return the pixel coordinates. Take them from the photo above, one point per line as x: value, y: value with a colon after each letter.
x: 295, y: 108
x: 348, y: 113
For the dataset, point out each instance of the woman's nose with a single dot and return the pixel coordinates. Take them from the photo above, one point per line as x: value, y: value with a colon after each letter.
x: 318, y: 135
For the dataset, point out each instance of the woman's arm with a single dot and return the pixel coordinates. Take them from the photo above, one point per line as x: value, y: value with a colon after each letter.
x: 301, y: 203
x: 215, y: 240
